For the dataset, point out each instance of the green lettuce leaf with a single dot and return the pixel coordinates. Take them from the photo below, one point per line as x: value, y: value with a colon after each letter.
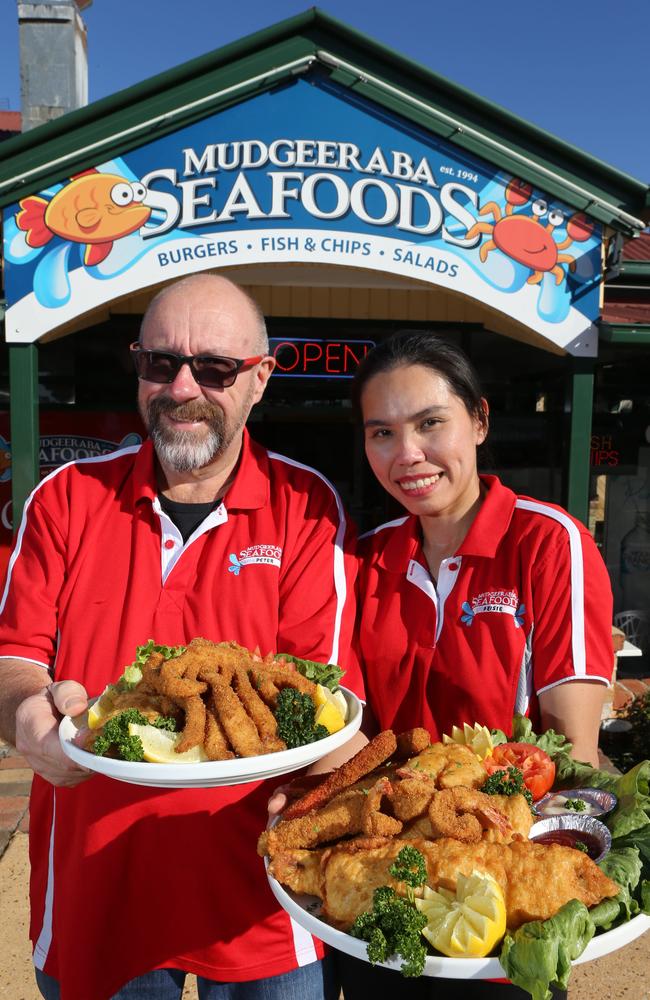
x: 550, y: 741
x: 327, y: 674
x: 540, y: 953
x: 133, y: 672
x: 623, y: 866
x: 522, y: 732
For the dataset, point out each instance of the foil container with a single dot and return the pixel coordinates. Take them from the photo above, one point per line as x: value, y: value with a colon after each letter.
x: 600, y: 802
x: 585, y: 824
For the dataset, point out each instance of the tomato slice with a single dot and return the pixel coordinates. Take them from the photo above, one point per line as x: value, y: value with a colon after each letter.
x: 536, y: 765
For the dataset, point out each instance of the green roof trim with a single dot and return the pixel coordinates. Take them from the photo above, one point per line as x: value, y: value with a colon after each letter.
x: 251, y: 65
x: 636, y: 268
x: 625, y: 333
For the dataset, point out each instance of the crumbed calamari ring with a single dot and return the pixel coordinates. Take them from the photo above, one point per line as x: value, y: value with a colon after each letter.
x: 366, y: 760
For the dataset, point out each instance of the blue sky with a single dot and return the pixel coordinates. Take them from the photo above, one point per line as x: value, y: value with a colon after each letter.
x: 576, y: 68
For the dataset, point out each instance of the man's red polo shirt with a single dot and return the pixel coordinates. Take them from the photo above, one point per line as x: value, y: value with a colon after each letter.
x: 524, y: 605
x: 127, y: 879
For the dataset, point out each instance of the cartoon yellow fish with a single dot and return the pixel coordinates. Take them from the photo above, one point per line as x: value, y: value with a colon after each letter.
x: 95, y: 209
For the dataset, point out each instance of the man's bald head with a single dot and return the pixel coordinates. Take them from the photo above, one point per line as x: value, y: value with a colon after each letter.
x: 209, y: 292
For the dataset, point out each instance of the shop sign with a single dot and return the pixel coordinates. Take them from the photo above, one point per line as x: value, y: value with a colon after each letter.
x: 65, y: 437
x: 305, y: 174
x: 301, y: 357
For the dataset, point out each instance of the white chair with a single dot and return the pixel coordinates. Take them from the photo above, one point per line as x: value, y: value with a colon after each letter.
x: 635, y: 625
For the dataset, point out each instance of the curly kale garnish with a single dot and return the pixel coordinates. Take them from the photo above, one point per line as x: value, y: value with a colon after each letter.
x: 393, y: 927
x: 409, y: 867
x: 295, y: 714
x: 509, y: 781
x: 167, y: 722
x: 115, y: 739
x: 115, y: 736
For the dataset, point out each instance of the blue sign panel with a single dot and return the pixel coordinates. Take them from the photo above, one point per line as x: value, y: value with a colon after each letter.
x: 305, y: 173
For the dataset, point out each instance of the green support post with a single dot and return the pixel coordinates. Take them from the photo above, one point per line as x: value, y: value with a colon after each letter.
x: 23, y: 391
x: 582, y: 402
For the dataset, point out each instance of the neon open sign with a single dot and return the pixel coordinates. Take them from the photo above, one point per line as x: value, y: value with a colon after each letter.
x: 310, y: 357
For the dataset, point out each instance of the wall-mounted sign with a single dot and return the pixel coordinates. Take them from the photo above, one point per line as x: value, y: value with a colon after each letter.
x: 302, y: 357
x: 66, y: 436
x: 305, y: 173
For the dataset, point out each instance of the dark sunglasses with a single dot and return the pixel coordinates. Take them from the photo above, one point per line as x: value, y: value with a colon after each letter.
x: 208, y: 370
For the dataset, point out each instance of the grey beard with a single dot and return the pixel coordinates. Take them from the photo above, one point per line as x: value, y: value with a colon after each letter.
x: 180, y: 450
x: 182, y: 454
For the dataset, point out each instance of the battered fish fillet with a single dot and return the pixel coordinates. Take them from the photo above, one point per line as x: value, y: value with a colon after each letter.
x: 536, y: 879
x: 450, y: 764
x: 517, y: 812
x: 366, y: 760
x: 298, y: 870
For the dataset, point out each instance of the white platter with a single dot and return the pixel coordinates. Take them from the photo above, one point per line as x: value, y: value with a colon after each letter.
x: 239, y: 771
x: 305, y: 911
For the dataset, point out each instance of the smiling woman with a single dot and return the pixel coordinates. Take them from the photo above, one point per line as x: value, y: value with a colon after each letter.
x: 477, y: 603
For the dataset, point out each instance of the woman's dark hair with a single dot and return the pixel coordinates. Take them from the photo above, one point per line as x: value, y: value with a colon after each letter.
x: 419, y: 347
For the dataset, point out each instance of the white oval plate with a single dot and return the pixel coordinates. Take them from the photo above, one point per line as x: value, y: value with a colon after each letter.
x: 239, y: 771
x: 305, y: 911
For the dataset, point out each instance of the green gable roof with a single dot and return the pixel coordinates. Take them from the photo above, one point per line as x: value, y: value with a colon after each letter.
x: 187, y: 93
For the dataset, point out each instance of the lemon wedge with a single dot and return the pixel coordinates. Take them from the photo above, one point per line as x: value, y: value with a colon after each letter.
x: 467, y: 923
x: 323, y: 696
x: 158, y: 746
x: 100, y: 709
x: 477, y: 738
x: 329, y: 715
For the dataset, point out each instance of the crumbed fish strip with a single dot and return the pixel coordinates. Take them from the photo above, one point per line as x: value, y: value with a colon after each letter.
x: 261, y: 715
x: 194, y: 729
x: 215, y: 743
x: 239, y: 728
x: 342, y: 817
x: 366, y: 760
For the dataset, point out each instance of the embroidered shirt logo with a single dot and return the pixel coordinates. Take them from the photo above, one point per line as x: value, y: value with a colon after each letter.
x: 500, y: 602
x: 267, y: 555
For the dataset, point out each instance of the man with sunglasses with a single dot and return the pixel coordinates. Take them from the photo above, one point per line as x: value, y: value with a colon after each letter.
x: 198, y: 532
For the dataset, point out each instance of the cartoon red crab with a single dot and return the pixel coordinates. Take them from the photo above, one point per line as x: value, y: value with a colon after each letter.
x: 525, y: 238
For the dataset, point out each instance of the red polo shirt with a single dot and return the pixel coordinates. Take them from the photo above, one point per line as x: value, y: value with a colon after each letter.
x: 524, y: 605
x: 127, y: 879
